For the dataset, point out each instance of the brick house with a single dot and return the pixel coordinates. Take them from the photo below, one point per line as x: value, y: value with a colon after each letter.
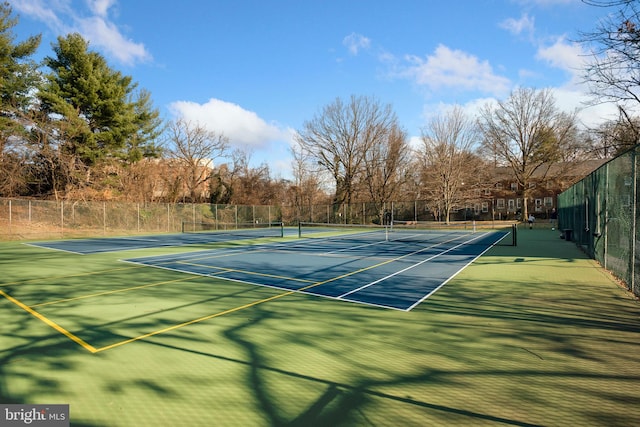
x: 502, y: 198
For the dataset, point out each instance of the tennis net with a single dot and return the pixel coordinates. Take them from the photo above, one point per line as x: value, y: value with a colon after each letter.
x: 412, y: 231
x: 248, y: 229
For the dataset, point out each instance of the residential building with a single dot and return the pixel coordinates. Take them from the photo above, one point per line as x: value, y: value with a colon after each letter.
x: 502, y: 199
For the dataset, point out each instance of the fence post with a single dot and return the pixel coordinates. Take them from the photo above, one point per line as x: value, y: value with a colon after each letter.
x: 605, y: 250
x: 392, y: 213
x: 632, y: 235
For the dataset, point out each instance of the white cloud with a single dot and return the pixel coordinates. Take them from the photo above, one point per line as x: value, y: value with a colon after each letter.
x: 518, y: 26
x: 447, y: 68
x: 387, y: 57
x: 100, y: 7
x: 94, y: 24
x: 354, y: 42
x: 243, y: 128
x: 37, y: 9
x: 563, y: 55
x: 106, y: 35
x: 568, y: 100
x: 471, y: 109
x: 526, y: 74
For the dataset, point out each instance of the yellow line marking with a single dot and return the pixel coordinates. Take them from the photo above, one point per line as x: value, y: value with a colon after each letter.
x: 130, y: 267
x: 231, y: 252
x: 49, y: 278
x: 52, y: 324
x: 200, y: 319
x: 210, y: 267
x: 184, y: 279
x: 79, y: 340
x: 252, y: 304
x: 250, y: 273
x: 191, y: 322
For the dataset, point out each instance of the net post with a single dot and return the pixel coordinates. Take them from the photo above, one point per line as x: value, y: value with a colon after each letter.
x: 281, y: 229
x: 299, y: 229
x: 182, y: 228
x: 514, y: 232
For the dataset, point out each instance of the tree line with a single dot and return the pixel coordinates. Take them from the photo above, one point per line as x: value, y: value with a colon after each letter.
x: 72, y: 127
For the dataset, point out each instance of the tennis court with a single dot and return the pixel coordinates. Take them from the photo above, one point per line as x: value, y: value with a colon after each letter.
x: 387, y: 269
x: 197, y: 236
x: 363, y: 266
x: 241, y: 331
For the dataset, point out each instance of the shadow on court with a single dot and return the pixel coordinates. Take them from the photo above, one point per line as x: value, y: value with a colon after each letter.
x: 550, y: 340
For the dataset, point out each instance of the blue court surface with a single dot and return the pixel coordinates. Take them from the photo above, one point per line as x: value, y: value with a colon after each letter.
x: 116, y: 244
x: 396, y: 272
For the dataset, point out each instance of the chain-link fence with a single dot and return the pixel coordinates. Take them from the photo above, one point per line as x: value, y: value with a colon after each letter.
x: 361, y: 213
x: 40, y: 219
x: 600, y: 214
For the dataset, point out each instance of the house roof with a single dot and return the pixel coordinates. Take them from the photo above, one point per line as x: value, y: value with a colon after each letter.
x: 566, y: 170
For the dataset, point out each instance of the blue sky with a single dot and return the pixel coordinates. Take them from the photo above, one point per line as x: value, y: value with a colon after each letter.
x: 256, y: 70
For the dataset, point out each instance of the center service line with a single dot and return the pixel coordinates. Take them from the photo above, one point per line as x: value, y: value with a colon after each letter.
x: 407, y: 268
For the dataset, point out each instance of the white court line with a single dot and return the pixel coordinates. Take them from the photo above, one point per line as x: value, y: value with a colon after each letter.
x: 306, y: 289
x: 42, y: 246
x: 410, y: 267
x: 454, y: 274
x: 364, y: 245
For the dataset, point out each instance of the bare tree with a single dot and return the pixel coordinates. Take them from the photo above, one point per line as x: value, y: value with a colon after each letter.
x: 614, y: 45
x: 13, y: 181
x: 145, y: 180
x: 340, y: 137
x: 448, y: 142
x: 614, y: 70
x: 612, y: 137
x: 195, y: 148
x: 306, y: 188
x: 384, y: 167
x: 251, y: 184
x: 527, y: 133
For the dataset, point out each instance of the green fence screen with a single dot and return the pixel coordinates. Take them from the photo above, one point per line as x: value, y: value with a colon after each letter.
x: 600, y: 213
